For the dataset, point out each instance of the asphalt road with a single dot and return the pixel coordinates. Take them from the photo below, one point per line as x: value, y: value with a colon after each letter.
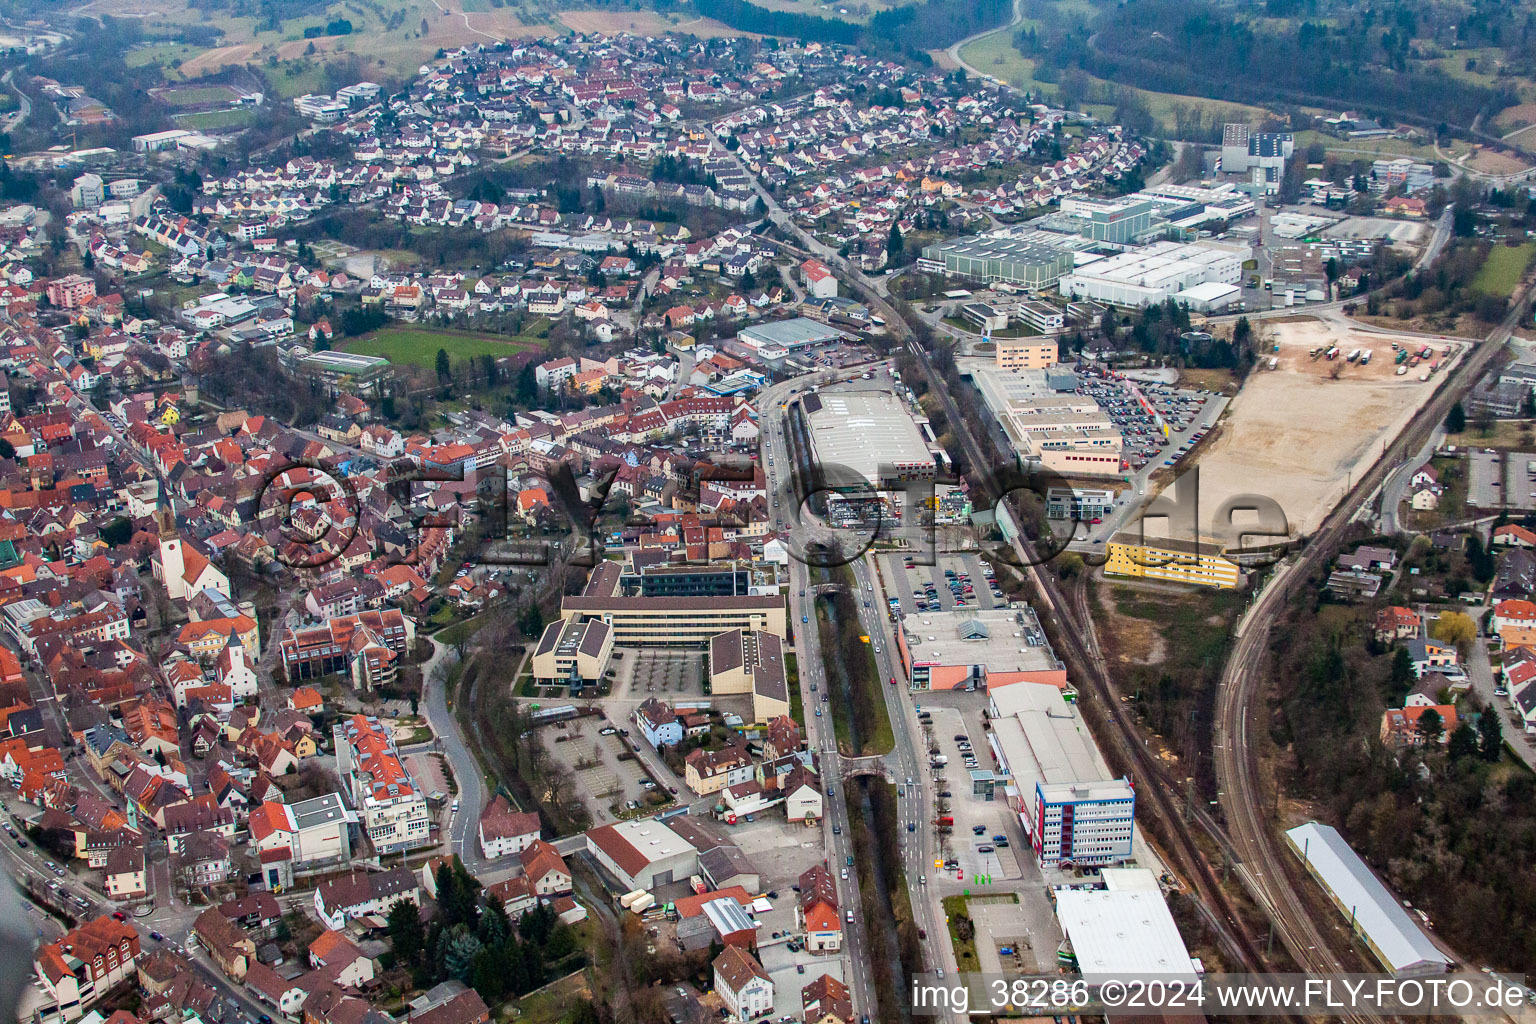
x: 813, y: 681
x: 904, y: 762
x: 463, y: 831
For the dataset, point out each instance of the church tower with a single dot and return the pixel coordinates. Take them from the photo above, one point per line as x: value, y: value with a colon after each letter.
x: 172, y: 561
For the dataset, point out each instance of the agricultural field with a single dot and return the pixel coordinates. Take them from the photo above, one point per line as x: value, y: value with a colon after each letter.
x: 417, y: 346
x: 396, y: 37
x: 1386, y: 149
x: 1503, y: 268
x: 859, y: 11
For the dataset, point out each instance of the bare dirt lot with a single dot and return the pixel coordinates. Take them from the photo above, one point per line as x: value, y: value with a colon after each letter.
x: 1299, y: 433
x: 1490, y: 162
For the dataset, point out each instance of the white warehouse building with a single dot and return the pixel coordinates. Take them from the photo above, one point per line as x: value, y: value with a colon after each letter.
x: 1154, y: 273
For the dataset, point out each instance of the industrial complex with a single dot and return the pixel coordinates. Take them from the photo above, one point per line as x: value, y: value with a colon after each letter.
x: 1074, y: 812
x: 1049, y: 425
x: 1155, y: 273
x: 870, y: 433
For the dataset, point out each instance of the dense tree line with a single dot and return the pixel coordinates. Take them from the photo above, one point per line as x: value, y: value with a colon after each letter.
x: 248, y: 377
x: 913, y: 29
x: 472, y: 940
x: 1452, y: 826
x: 1355, y: 60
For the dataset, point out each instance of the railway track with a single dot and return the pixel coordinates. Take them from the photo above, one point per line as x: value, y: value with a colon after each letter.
x: 1267, y: 870
x: 1126, y: 747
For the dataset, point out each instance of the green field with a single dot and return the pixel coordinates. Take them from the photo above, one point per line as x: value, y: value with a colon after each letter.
x: 417, y: 346
x: 1365, y: 149
x: 297, y: 78
x: 215, y: 120
x: 197, y: 95
x: 1502, y: 270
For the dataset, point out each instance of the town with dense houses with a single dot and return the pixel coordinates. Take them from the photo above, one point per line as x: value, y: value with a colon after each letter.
x: 634, y: 526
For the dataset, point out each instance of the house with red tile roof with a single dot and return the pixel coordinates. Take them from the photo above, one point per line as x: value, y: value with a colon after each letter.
x: 545, y: 869
x: 505, y: 830
x: 86, y: 963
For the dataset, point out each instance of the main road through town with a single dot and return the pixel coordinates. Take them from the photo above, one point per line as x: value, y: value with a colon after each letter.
x: 904, y: 763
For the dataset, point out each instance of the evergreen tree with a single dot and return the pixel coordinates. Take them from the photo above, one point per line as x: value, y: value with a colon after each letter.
x: 1431, y: 726
x: 406, y: 935
x: 1463, y: 741
x: 1456, y: 419
x: 894, y: 243
x: 444, y: 368
x: 1490, y: 735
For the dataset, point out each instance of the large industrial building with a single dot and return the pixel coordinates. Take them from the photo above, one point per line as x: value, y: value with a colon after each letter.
x: 1154, y: 273
x: 1124, y: 929
x: 870, y: 433
x: 1398, y: 942
x: 1073, y: 810
x: 789, y: 335
x: 1066, y: 433
x: 643, y: 854
x: 1261, y: 156
x: 1035, y: 260
x: 1121, y: 220
x: 976, y: 649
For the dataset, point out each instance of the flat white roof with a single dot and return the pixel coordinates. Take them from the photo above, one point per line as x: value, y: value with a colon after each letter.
x: 654, y: 840
x: 1158, y: 262
x: 1043, y: 738
x: 1399, y: 941
x: 1122, y: 932
x: 1129, y: 879
x: 973, y: 636
x: 1207, y: 291
x: 864, y: 430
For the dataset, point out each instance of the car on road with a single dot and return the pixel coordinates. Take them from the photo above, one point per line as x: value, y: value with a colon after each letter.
x: 118, y: 915
x: 837, y: 830
x: 984, y: 849
x: 157, y: 936
x: 818, y: 712
x: 979, y: 829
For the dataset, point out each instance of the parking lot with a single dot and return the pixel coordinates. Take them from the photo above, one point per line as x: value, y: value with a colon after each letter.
x: 920, y: 588
x: 1501, y: 480
x: 982, y: 842
x: 1179, y: 409
x: 782, y: 852
x: 597, y: 765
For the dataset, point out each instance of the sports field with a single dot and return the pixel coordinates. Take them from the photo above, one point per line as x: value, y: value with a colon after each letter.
x: 417, y: 346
